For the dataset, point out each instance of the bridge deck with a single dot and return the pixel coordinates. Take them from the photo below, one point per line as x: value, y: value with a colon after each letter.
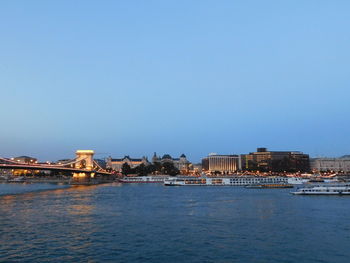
x: 49, y: 168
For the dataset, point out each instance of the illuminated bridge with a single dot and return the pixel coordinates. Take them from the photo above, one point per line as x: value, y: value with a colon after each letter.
x: 83, y: 167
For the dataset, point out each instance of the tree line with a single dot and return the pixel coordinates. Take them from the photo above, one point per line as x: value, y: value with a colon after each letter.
x: 167, y: 168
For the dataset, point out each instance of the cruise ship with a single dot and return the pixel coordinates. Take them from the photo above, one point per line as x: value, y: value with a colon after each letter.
x: 230, y: 181
x: 143, y: 179
x: 327, y: 189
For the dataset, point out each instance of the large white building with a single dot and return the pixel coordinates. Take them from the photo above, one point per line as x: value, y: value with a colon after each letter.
x: 116, y: 164
x: 330, y: 164
x: 180, y: 163
x: 225, y: 164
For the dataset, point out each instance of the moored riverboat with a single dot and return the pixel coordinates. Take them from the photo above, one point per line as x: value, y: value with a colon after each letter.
x: 326, y: 189
x: 229, y: 181
x: 143, y: 179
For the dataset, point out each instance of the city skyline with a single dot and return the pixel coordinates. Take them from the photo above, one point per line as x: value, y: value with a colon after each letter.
x: 174, y: 77
x: 105, y: 156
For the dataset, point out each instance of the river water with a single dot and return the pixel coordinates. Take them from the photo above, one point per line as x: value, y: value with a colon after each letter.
x: 154, y: 223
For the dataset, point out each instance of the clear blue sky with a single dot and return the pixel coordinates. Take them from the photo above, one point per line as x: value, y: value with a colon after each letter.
x: 134, y: 77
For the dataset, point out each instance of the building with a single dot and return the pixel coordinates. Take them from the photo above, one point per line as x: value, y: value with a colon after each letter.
x: 196, y: 168
x: 116, y: 164
x: 275, y: 161
x: 205, y: 164
x: 330, y: 164
x: 25, y: 159
x: 225, y: 164
x: 181, y: 163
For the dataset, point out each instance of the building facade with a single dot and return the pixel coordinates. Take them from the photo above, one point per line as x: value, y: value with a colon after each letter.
x: 330, y: 164
x: 180, y: 163
x: 25, y: 159
x: 225, y: 164
x: 275, y: 161
x: 116, y: 164
x: 205, y: 164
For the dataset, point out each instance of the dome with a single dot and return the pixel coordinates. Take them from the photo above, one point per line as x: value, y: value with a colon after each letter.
x: 166, y: 156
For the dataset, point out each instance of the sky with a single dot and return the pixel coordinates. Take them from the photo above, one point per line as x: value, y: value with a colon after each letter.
x: 195, y: 77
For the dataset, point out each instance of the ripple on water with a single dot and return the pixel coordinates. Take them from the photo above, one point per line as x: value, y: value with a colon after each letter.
x: 152, y: 223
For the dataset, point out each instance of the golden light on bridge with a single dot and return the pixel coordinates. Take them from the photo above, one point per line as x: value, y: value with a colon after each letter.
x: 85, y: 159
x: 85, y: 152
x: 79, y: 175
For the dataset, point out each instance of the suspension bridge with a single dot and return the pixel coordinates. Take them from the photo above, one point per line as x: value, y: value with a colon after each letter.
x: 83, y: 167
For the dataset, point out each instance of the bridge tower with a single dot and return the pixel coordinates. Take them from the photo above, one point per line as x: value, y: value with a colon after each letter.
x: 85, y: 159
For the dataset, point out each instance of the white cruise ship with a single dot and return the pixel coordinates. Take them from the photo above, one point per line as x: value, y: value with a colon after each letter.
x: 327, y: 189
x: 143, y: 179
x: 230, y: 181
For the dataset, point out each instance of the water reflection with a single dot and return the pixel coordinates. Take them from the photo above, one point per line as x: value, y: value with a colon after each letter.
x: 113, y: 223
x: 7, y: 200
x: 80, y: 209
x: 33, y: 221
x: 265, y: 209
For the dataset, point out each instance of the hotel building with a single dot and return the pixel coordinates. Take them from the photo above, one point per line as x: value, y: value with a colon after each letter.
x: 224, y: 164
x: 330, y: 164
x: 275, y: 161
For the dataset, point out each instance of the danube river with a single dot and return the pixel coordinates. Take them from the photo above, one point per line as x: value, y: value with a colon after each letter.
x: 153, y: 223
